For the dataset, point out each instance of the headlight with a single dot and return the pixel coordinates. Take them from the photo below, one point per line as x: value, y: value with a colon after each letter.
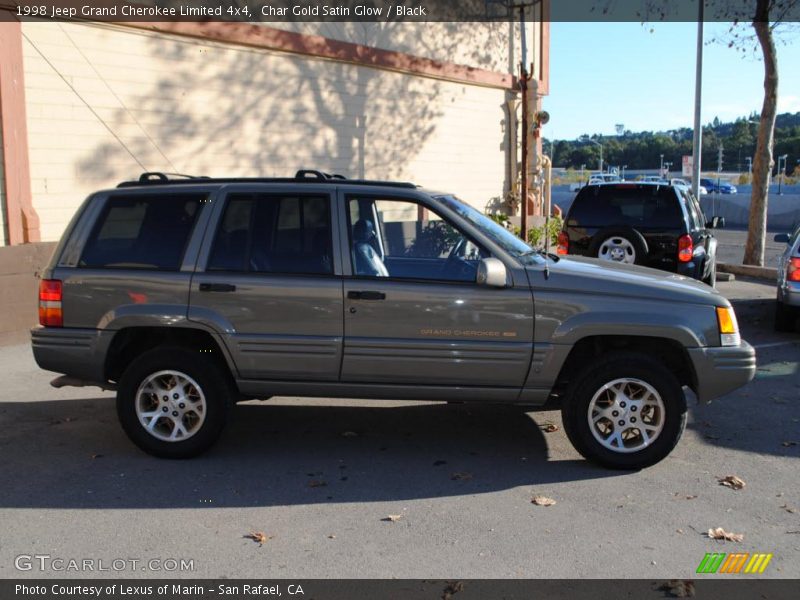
x: 728, y: 327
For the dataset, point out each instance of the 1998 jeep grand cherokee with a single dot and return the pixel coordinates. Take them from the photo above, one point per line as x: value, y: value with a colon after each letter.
x: 187, y: 296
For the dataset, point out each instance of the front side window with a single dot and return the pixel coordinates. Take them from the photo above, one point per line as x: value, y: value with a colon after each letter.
x: 263, y: 233
x: 406, y: 240
x: 142, y: 232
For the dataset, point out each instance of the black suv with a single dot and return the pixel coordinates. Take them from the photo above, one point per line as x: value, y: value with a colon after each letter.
x: 651, y: 224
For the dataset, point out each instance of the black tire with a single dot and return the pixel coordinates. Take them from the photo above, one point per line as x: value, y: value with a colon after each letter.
x: 633, y: 237
x: 215, y: 385
x: 785, y: 317
x: 575, y: 410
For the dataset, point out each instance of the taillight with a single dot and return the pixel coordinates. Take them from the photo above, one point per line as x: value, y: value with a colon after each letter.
x: 793, y: 270
x: 685, y: 248
x: 50, y: 314
x: 563, y: 243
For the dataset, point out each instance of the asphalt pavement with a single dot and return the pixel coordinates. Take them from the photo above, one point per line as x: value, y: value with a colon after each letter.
x: 320, y: 479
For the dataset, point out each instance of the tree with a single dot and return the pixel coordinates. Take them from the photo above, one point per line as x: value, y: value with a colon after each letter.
x: 762, y: 159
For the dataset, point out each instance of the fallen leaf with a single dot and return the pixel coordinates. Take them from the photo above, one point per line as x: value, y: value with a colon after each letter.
x: 97, y: 456
x: 392, y: 518
x: 787, y: 444
x: 678, y: 588
x: 679, y: 531
x: 349, y: 434
x: 719, y: 533
x: 461, y: 476
x: 542, y: 501
x: 453, y: 587
x: 789, y: 509
x: 732, y: 481
x: 259, y: 537
x: 314, y: 483
x: 331, y: 537
x: 549, y: 427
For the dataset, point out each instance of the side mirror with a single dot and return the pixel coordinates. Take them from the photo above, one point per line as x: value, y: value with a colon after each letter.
x: 716, y: 223
x: 782, y: 238
x: 492, y: 273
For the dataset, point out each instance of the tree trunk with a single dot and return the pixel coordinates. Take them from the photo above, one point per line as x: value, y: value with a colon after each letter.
x: 762, y: 161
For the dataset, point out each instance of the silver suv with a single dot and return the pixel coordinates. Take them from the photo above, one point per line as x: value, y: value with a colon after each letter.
x: 188, y: 295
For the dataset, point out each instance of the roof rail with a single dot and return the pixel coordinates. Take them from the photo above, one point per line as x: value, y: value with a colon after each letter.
x: 309, y: 176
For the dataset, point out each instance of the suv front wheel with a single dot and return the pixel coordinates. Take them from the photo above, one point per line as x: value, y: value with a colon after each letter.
x: 625, y: 411
x: 173, y: 402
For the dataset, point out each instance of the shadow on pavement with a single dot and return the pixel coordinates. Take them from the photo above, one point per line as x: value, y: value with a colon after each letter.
x: 73, y: 454
x: 764, y: 416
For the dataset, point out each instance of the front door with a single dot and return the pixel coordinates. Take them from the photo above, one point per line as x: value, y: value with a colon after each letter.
x: 413, y: 312
x: 269, y: 285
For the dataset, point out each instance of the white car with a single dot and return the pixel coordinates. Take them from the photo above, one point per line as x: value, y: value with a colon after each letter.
x: 682, y: 182
x: 594, y: 179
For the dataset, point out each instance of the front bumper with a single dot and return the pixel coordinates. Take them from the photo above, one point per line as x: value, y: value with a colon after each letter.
x: 720, y: 370
x: 79, y: 353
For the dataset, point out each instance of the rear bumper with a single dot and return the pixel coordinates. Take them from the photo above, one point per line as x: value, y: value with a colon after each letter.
x: 789, y: 293
x: 722, y: 369
x: 79, y: 353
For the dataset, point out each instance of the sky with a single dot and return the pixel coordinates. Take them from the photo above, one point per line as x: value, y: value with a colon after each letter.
x: 602, y: 74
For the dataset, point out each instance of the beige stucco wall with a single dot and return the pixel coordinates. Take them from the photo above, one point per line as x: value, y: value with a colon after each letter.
x: 106, y: 103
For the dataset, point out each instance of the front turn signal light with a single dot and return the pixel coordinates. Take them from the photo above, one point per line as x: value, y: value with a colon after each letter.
x: 728, y: 326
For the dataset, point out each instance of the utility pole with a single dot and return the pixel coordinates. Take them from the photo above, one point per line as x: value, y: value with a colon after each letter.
x: 781, y: 172
x: 697, y: 142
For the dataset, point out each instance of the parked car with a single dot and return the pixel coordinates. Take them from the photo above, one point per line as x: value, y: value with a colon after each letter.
x: 650, y: 224
x: 654, y: 179
x: 723, y: 187
x: 787, y: 307
x: 186, y: 296
x: 682, y: 182
x: 596, y: 178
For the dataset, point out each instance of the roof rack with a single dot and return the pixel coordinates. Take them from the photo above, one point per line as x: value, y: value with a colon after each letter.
x: 302, y: 176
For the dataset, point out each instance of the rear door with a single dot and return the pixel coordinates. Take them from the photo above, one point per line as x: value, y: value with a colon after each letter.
x: 269, y: 282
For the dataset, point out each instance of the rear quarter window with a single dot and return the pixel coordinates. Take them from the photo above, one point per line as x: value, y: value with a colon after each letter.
x: 142, y: 232
x: 638, y: 206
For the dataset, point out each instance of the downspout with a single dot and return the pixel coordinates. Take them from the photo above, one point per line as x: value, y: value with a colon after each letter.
x: 21, y: 218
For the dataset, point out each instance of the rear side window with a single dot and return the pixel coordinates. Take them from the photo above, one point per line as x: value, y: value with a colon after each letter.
x: 646, y: 206
x: 142, y: 232
x: 264, y: 233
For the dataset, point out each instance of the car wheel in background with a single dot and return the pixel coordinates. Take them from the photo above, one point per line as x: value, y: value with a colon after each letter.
x: 623, y: 245
x: 625, y: 411
x: 173, y: 402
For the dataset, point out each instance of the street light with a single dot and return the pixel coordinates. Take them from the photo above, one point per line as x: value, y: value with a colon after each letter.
x: 583, y: 166
x: 623, y: 171
x: 586, y: 138
x: 661, y: 166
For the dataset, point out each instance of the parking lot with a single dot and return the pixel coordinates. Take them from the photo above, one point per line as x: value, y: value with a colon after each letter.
x: 321, y: 478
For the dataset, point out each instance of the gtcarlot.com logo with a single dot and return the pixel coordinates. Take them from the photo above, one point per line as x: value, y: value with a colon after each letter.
x: 45, y: 562
x: 739, y: 562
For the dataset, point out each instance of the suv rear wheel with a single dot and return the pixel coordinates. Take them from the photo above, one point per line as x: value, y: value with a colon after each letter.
x: 617, y: 244
x: 173, y: 402
x: 625, y: 411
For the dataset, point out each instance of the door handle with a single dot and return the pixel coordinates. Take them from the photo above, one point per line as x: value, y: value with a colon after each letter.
x: 217, y: 287
x: 366, y: 295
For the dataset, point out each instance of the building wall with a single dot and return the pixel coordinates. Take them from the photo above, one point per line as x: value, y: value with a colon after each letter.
x: 105, y: 103
x: 3, y: 227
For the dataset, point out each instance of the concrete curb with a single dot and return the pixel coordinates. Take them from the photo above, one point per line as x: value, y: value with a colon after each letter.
x: 767, y: 273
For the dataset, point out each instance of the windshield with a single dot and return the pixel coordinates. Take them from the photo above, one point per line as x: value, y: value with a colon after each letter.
x: 494, y: 231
